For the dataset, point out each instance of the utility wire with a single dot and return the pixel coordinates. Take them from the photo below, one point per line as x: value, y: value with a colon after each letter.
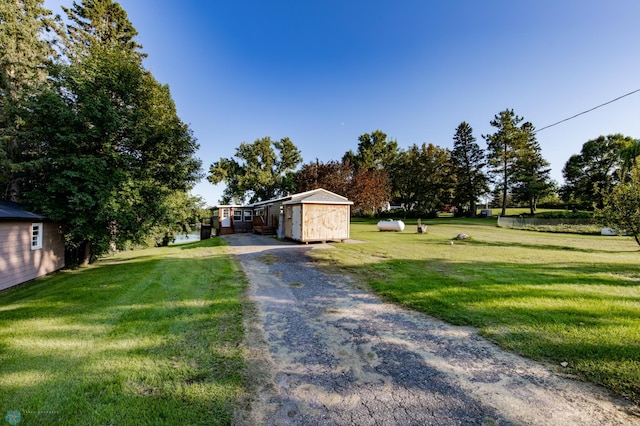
x: 589, y: 110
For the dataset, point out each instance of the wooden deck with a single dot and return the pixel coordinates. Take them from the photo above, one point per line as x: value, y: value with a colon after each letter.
x: 262, y: 228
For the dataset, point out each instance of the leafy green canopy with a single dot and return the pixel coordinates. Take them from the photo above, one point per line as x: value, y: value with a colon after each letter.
x: 103, y: 150
x: 259, y: 171
x: 595, y: 170
x: 421, y: 177
x: 621, y: 205
x: 374, y: 152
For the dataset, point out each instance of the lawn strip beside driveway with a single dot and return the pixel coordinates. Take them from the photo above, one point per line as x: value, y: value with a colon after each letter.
x: 330, y: 352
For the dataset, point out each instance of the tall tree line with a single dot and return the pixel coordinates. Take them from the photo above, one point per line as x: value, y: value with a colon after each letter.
x: 89, y: 137
x: 422, y: 178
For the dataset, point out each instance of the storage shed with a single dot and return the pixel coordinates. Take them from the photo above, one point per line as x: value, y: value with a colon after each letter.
x: 31, y: 246
x: 317, y: 215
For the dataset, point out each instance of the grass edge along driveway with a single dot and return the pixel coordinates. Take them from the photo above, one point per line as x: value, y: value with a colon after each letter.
x: 571, y: 301
x: 147, y: 337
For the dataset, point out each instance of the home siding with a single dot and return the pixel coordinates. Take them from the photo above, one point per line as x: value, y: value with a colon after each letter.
x: 18, y: 263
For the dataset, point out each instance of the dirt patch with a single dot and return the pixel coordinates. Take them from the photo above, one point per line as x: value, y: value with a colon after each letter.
x: 328, y: 352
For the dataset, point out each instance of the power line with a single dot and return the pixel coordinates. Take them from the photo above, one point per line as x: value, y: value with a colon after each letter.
x: 589, y: 110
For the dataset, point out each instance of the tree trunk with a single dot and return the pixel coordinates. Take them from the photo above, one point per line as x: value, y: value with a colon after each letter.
x: 504, y: 188
x: 504, y: 199
x: 85, y: 253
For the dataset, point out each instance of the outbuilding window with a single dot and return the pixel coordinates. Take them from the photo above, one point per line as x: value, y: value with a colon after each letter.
x: 36, y: 236
x: 237, y: 215
x: 248, y: 216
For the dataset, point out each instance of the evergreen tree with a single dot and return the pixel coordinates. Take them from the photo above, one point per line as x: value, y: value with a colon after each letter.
x: 99, y: 23
x: 503, y: 150
x: 531, y: 180
x: 468, y: 162
x: 25, y: 53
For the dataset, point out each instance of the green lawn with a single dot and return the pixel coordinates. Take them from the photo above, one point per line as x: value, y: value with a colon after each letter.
x: 154, y: 336
x: 552, y: 297
x: 149, y: 337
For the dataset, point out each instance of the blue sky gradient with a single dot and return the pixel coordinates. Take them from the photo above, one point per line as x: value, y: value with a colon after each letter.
x: 324, y: 72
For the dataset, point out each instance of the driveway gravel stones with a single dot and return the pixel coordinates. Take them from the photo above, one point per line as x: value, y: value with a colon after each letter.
x: 326, y: 352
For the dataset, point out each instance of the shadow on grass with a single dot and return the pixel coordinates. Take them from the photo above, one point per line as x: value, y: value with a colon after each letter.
x: 581, y: 313
x: 545, y: 247
x: 151, y: 340
x: 211, y: 242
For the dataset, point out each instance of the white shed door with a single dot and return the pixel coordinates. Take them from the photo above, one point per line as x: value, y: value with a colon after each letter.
x: 296, y: 223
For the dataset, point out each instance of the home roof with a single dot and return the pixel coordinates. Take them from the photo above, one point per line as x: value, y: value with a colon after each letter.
x: 13, y: 211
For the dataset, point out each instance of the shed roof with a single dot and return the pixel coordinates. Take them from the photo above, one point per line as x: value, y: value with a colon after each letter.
x: 318, y: 196
x: 13, y: 211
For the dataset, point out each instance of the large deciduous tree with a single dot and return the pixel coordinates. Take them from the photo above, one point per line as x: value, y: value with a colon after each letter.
x: 621, y: 205
x: 422, y: 178
x: 374, y: 151
x: 334, y: 176
x: 369, y: 189
x: 594, y: 171
x: 503, y: 150
x: 106, y: 150
x: 468, y: 161
x: 258, y: 171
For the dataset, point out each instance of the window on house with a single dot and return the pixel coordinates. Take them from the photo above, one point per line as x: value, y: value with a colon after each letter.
x: 36, y: 236
x: 248, y: 217
x: 237, y: 215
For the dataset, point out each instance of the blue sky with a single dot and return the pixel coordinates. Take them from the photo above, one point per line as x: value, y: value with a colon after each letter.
x: 324, y: 72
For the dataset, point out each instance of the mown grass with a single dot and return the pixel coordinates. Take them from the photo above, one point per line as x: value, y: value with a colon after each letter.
x: 551, y: 297
x: 149, y: 337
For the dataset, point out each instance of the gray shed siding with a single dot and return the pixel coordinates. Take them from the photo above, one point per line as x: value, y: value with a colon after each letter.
x: 18, y: 262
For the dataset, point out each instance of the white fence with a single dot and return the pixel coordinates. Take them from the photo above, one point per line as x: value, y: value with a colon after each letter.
x: 523, y: 222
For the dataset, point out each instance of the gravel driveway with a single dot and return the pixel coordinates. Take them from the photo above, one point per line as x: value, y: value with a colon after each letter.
x: 326, y: 352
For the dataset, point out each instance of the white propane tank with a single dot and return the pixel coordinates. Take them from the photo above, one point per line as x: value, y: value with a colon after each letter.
x: 391, y: 225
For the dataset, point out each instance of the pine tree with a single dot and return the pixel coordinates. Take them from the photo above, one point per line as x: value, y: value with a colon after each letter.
x: 24, y: 55
x: 99, y: 23
x: 531, y: 180
x: 468, y: 162
x: 503, y: 149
